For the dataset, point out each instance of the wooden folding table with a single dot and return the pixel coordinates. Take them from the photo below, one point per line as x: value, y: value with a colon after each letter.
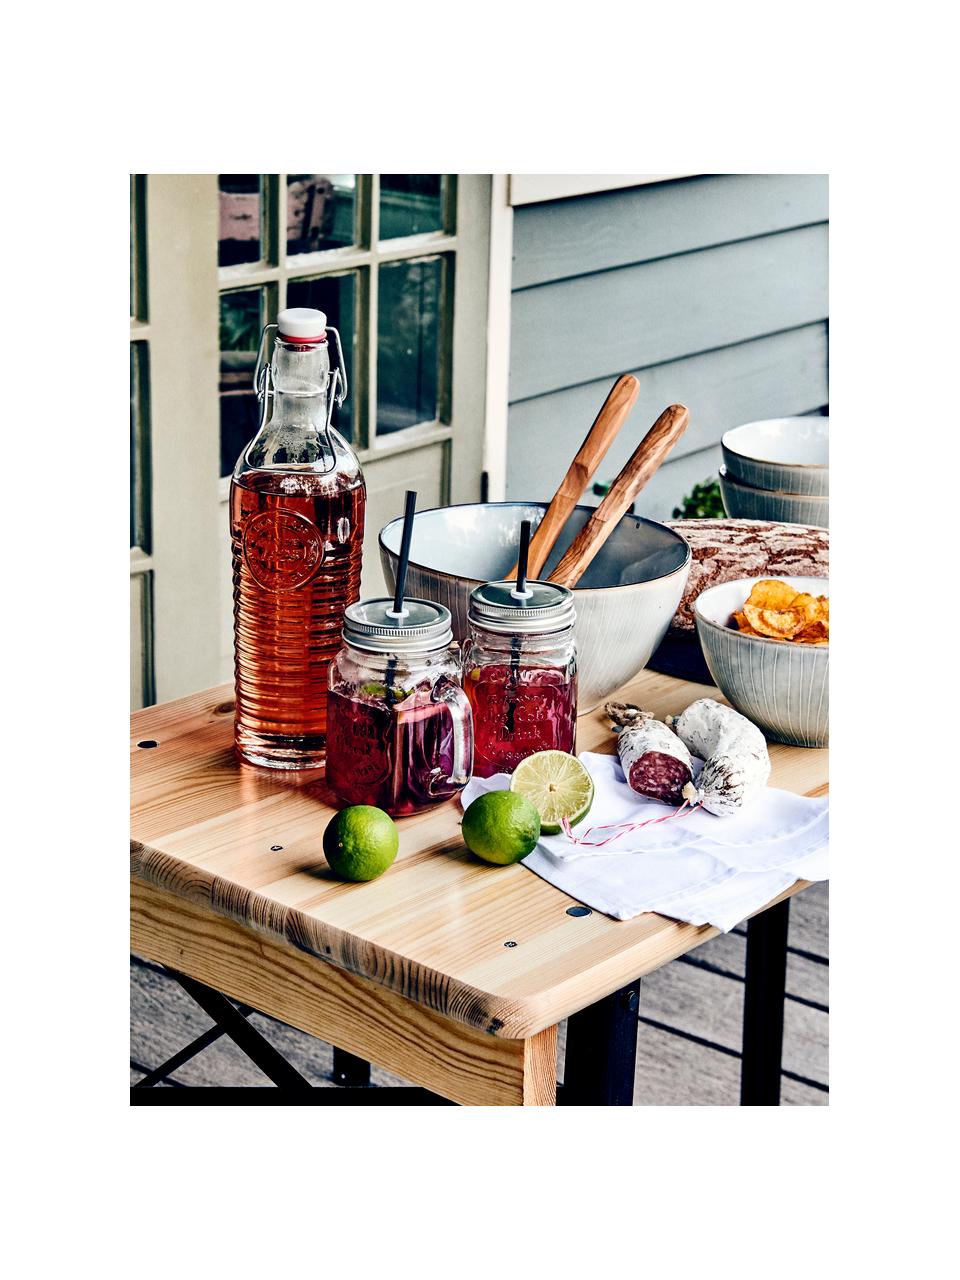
x: 446, y: 971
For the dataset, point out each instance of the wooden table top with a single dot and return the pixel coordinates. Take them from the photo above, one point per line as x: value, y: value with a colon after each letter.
x: 247, y: 843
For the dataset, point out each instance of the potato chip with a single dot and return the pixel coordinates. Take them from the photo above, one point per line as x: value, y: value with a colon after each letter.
x: 771, y: 593
x: 778, y: 624
x: 808, y: 605
x: 815, y: 633
x: 775, y: 611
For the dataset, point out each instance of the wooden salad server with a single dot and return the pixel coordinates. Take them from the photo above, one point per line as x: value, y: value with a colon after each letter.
x: 613, y: 414
x: 647, y: 457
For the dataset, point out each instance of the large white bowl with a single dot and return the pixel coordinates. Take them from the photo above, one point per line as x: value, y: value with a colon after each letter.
x: 625, y: 600
x: 782, y: 687
x: 787, y: 454
x: 745, y: 502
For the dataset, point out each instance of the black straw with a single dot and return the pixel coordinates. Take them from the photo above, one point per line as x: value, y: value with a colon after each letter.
x: 511, y: 708
x: 524, y: 555
x: 408, y: 513
x: 409, y: 509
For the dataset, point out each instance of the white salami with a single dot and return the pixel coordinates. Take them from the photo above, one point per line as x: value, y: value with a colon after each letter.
x: 655, y: 761
x: 734, y: 750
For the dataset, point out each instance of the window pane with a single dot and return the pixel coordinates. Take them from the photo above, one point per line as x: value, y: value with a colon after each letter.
x: 138, y: 248
x: 410, y: 203
x: 321, y: 211
x: 139, y: 513
x: 241, y: 213
x: 336, y: 297
x: 241, y: 319
x: 408, y: 337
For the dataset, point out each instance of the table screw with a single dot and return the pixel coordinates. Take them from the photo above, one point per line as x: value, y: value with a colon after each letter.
x: 275, y: 848
x: 509, y: 944
x: 579, y: 911
x: 148, y: 742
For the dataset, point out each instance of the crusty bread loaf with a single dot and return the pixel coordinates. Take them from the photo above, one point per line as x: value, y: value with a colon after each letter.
x: 727, y: 549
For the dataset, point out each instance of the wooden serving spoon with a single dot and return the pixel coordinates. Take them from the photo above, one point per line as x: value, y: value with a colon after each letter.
x: 647, y: 457
x: 612, y: 416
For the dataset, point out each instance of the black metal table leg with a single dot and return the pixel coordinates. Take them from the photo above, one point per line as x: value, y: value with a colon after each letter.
x: 601, y: 1055
x: 184, y: 1055
x: 765, y: 989
x: 349, y: 1070
x: 257, y: 1048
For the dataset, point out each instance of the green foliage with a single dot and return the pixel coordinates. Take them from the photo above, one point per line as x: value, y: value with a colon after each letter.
x: 239, y: 321
x: 702, y: 503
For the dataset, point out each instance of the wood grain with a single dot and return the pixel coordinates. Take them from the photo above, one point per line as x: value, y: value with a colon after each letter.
x: 246, y: 844
x: 351, y: 1012
x: 606, y: 426
x: 646, y: 458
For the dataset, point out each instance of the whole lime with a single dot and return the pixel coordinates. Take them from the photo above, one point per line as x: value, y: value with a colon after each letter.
x: 500, y: 827
x: 360, y: 842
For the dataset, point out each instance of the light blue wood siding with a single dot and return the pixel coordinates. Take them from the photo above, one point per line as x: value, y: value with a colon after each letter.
x: 713, y: 290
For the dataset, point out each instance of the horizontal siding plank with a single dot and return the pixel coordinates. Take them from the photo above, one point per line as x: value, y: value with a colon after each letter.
x: 577, y: 237
x: 770, y: 377
x: 674, y: 480
x: 528, y: 188
x: 577, y: 331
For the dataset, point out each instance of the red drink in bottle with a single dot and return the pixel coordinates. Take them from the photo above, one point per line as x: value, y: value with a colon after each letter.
x: 297, y: 502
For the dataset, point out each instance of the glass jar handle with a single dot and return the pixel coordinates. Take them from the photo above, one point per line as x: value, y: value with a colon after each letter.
x: 462, y: 717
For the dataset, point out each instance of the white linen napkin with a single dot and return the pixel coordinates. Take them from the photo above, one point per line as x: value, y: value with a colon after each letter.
x: 698, y: 867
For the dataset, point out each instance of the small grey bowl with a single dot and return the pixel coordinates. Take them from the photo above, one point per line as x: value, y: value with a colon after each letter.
x: 782, y: 687
x: 625, y: 601
x: 789, y: 455
x: 744, y: 502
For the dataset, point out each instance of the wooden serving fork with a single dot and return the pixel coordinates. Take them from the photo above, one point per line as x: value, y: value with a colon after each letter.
x: 647, y: 457
x: 613, y: 414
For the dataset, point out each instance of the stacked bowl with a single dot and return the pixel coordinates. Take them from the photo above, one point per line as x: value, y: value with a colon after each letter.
x: 777, y: 469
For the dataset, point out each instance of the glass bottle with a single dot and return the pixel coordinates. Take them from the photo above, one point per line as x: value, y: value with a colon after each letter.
x: 400, y: 727
x: 297, y: 502
x: 520, y: 673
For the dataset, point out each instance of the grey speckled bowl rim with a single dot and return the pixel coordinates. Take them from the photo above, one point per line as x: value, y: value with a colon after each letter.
x: 458, y: 577
x: 768, y: 462
x: 717, y: 626
x: 779, y: 493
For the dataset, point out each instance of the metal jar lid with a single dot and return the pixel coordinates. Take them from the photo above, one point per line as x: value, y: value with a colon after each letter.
x: 369, y: 625
x: 545, y: 609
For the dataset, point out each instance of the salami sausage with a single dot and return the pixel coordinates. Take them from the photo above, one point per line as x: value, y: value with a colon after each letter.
x: 655, y: 761
x: 734, y: 750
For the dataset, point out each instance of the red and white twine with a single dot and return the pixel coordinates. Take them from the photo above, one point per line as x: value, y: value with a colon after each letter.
x: 625, y: 827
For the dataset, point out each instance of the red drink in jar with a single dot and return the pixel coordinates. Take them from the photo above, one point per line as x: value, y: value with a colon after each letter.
x: 514, y: 717
x: 400, y: 729
x: 520, y: 673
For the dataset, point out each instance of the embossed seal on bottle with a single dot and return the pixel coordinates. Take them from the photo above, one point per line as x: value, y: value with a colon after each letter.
x: 282, y: 549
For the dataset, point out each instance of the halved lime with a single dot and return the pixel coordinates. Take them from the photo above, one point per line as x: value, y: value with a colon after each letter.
x: 558, y: 786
